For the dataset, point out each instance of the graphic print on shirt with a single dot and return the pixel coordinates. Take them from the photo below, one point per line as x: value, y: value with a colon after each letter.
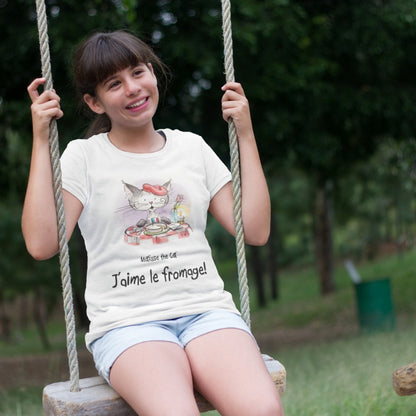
x: 161, y: 219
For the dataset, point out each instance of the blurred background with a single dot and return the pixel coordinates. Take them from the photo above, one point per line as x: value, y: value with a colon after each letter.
x: 332, y: 92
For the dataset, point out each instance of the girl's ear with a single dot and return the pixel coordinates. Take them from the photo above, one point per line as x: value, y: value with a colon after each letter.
x: 94, y: 104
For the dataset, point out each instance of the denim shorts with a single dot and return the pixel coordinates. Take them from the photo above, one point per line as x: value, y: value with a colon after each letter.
x: 182, y: 330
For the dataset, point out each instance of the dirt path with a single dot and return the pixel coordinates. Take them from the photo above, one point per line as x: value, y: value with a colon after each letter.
x: 284, y: 338
x: 40, y: 370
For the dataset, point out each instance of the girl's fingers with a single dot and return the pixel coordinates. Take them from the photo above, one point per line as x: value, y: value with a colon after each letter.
x: 51, y: 107
x: 32, y: 89
x: 233, y: 94
x: 44, y: 96
x: 233, y: 86
x: 233, y: 101
x: 235, y: 106
x: 45, y: 106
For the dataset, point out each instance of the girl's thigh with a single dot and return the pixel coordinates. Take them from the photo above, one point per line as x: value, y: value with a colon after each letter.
x: 229, y: 371
x: 155, y: 379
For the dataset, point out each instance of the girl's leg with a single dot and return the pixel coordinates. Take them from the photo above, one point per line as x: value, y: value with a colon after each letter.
x: 228, y: 370
x: 155, y: 379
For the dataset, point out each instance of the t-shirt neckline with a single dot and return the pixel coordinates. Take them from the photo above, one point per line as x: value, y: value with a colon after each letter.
x: 157, y: 153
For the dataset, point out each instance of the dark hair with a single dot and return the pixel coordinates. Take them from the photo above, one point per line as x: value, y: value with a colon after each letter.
x: 103, y: 54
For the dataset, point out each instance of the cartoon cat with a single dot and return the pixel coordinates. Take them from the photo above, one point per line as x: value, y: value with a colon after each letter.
x: 149, y: 198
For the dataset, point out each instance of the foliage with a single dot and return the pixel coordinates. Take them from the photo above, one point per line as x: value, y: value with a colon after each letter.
x: 358, y: 86
x: 379, y: 204
x: 18, y: 272
x: 327, y: 82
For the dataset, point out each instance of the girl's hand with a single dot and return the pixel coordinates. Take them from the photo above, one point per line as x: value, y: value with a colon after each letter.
x: 235, y: 105
x: 255, y: 201
x: 44, y: 108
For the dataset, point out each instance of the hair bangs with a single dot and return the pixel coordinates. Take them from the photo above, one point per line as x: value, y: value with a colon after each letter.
x: 112, y: 56
x: 104, y: 54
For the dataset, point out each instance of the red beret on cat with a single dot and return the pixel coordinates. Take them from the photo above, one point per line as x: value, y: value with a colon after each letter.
x: 155, y: 189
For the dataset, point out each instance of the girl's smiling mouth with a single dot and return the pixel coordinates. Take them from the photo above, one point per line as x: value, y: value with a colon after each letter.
x: 137, y: 104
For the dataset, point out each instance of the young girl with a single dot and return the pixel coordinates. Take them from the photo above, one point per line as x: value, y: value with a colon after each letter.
x: 161, y: 323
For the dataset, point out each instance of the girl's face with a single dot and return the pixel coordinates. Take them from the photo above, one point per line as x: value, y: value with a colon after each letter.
x: 129, y: 97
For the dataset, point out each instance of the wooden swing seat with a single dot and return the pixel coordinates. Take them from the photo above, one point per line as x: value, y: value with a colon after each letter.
x: 96, y: 397
x: 404, y: 380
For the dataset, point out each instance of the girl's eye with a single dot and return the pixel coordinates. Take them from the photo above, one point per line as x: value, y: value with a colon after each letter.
x: 114, y: 84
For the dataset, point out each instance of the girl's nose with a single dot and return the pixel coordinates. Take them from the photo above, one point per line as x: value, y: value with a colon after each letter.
x: 131, y: 87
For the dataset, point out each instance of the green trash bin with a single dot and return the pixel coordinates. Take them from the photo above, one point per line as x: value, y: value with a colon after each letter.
x: 375, y: 305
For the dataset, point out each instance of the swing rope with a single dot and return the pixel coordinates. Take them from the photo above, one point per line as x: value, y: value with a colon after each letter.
x: 235, y: 169
x: 57, y: 186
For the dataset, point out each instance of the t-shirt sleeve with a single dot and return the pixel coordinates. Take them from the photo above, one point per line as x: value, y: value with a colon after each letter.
x: 74, y: 173
x: 217, y: 173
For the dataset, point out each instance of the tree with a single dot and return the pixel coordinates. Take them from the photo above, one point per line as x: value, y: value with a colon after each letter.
x: 357, y: 91
x: 326, y: 80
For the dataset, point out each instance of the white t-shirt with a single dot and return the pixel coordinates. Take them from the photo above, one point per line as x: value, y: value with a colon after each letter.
x: 143, y: 222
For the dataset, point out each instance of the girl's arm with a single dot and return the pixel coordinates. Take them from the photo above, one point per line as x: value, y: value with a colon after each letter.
x: 39, y: 220
x: 255, y: 199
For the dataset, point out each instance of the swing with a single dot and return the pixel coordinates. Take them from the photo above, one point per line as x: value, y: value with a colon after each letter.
x: 93, y: 396
x: 404, y: 380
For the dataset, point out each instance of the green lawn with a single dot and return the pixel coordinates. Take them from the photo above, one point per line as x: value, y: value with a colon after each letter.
x: 21, y: 402
x: 349, y: 377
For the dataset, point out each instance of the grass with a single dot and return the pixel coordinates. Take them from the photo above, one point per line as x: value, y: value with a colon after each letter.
x: 21, y: 402
x: 349, y: 376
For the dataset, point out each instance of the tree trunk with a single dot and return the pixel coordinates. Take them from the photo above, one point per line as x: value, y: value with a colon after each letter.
x: 323, y: 239
x: 5, y: 328
x: 258, y: 271
x: 273, y: 256
x: 24, y: 312
x: 39, y: 316
x: 79, y: 292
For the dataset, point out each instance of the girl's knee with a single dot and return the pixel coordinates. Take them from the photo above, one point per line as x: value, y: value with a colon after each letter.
x: 262, y: 406
x: 185, y: 410
x: 268, y: 407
